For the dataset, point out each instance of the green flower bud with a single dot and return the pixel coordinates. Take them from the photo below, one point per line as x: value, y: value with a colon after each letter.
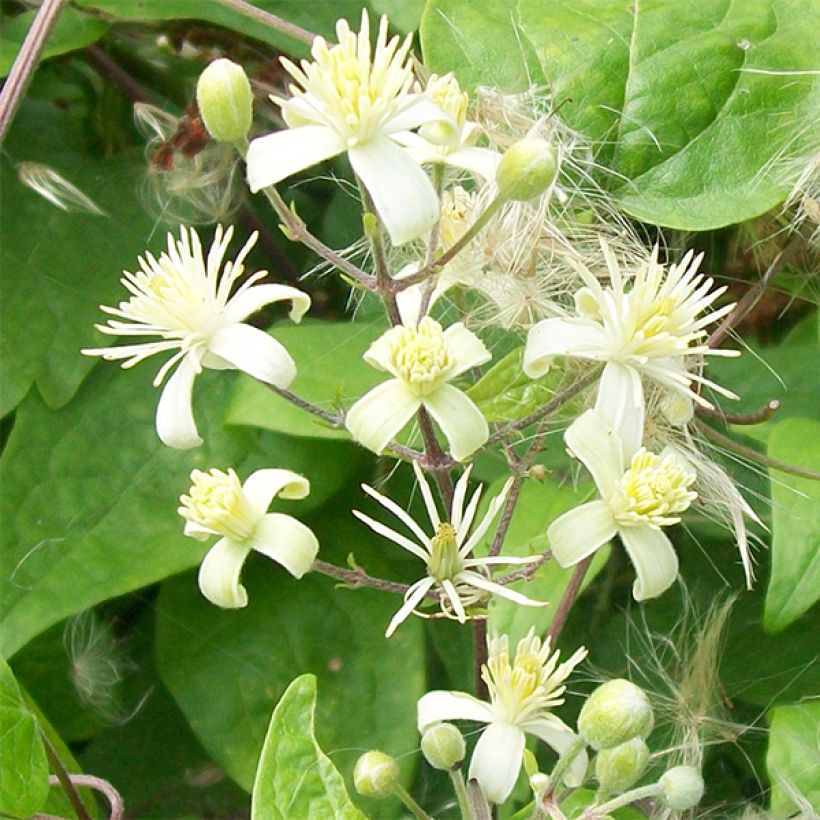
x: 681, y: 788
x: 618, y: 768
x: 526, y: 170
x: 225, y: 101
x: 375, y: 775
x: 443, y: 746
x: 540, y: 783
x: 614, y: 713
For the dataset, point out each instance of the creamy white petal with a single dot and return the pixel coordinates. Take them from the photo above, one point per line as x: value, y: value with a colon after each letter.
x: 578, y: 533
x: 402, y: 193
x: 599, y: 449
x: 492, y: 511
x: 420, y: 111
x: 408, y: 302
x: 454, y: 599
x: 248, y: 301
x: 556, y: 734
x: 654, y: 559
x: 263, y: 486
x: 401, y: 514
x: 391, y: 535
x: 466, y: 349
x: 378, y: 354
x: 175, y: 416
x: 277, y: 156
x: 380, y: 414
x: 497, y: 760
x: 427, y: 495
x: 254, y: 352
x: 560, y: 337
x: 438, y: 706
x: 480, y: 161
x: 219, y: 574
x: 480, y: 582
x: 287, y: 541
x: 620, y: 404
x: 459, y: 494
x: 414, y: 597
x: 460, y: 420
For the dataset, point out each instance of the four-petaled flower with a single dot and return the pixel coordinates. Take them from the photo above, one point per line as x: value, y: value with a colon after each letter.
x: 360, y: 103
x: 522, y: 694
x: 185, y: 299
x: 651, y: 331
x: 462, y: 580
x: 422, y: 361
x: 641, y: 492
x: 217, y: 504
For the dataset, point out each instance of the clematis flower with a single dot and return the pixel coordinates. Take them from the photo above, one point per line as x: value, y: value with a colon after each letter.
x: 451, y: 142
x: 462, y: 580
x: 354, y: 101
x: 186, y: 301
x: 522, y: 694
x: 422, y: 361
x: 218, y: 504
x: 650, y: 331
x: 640, y: 494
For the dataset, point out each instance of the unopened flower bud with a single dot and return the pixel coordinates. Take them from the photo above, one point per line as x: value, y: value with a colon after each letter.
x: 614, y: 713
x: 540, y: 783
x: 375, y: 775
x: 225, y: 101
x: 526, y: 170
x: 681, y: 788
x: 443, y: 746
x: 618, y: 768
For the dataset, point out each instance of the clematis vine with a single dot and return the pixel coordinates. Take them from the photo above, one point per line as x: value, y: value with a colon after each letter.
x: 185, y: 300
x: 351, y: 100
x: 462, y: 579
x: 522, y: 692
x: 422, y: 361
x: 640, y: 494
x: 217, y: 504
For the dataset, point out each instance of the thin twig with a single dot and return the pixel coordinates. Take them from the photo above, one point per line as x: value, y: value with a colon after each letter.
x: 526, y: 572
x: 435, y: 457
x: 506, y: 515
x: 747, y: 419
x: 115, y: 74
x: 568, y: 599
x: 114, y: 798
x: 271, y: 20
x: 64, y: 779
x: 384, y: 282
x: 26, y: 60
x: 480, y: 656
x: 335, y: 420
x: 357, y: 578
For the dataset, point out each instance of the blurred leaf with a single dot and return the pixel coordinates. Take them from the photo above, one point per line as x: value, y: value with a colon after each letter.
x: 73, y: 30
x: 331, y: 372
x: 295, y: 778
x: 795, y: 578
x: 794, y: 749
x: 23, y: 763
x: 404, y: 15
x: 694, y: 103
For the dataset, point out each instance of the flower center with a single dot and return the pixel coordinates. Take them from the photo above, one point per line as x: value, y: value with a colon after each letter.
x: 420, y: 356
x: 652, y: 491
x: 218, y: 503
x: 657, y: 319
x: 445, y: 562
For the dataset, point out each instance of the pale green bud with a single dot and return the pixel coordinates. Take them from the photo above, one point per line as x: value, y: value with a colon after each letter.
x: 526, y: 170
x: 225, y: 101
x: 443, y: 746
x: 618, y: 768
x: 614, y: 713
x: 681, y: 788
x: 540, y: 784
x: 375, y: 775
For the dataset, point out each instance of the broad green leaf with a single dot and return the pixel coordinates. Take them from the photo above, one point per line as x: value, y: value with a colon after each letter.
x: 794, y: 749
x: 295, y: 778
x: 795, y: 578
x: 90, y: 494
x: 697, y: 105
x: 405, y: 15
x: 331, y: 373
x: 73, y: 30
x: 23, y: 763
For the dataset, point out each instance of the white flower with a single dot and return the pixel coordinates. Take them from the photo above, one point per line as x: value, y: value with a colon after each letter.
x: 641, y: 492
x: 522, y: 693
x: 422, y: 361
x: 651, y: 330
x: 186, y: 301
x: 451, y: 142
x: 354, y: 102
x: 219, y: 505
x: 462, y: 580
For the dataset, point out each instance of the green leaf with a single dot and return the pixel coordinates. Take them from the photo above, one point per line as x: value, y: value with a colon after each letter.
x: 331, y: 373
x: 794, y: 749
x: 794, y: 585
x: 73, y: 30
x: 23, y: 763
x: 404, y: 15
x: 295, y: 777
x: 694, y: 103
